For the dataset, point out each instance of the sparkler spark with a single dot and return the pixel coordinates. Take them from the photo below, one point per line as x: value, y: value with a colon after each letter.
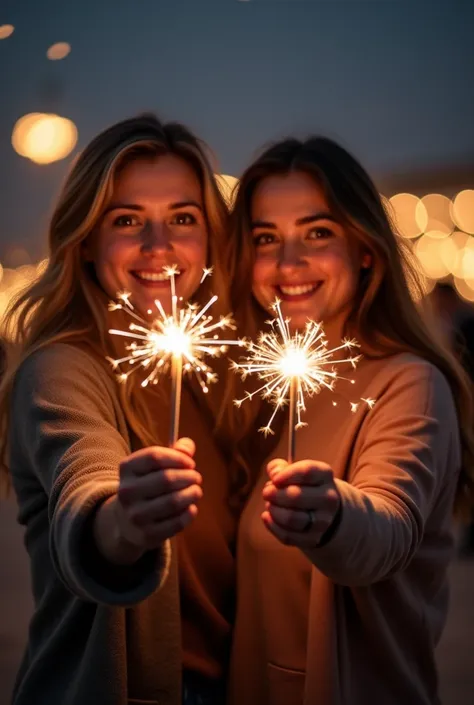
x: 294, y: 366
x: 179, y: 341
x: 188, y: 333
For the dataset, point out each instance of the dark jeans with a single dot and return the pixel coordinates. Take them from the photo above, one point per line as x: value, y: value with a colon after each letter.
x: 199, y: 691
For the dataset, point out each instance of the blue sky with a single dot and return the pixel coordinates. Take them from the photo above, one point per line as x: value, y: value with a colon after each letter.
x: 391, y: 79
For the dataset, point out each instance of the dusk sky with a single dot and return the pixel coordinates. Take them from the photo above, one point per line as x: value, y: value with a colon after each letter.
x: 391, y: 79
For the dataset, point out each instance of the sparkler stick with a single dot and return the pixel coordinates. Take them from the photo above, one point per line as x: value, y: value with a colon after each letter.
x: 176, y: 380
x: 177, y: 342
x: 292, y: 367
x: 291, y: 420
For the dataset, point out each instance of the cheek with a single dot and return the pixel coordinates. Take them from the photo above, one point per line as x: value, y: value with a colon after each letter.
x: 263, y: 272
x: 110, y: 259
x: 339, y: 265
x: 193, y: 252
x: 262, y: 278
x: 109, y: 251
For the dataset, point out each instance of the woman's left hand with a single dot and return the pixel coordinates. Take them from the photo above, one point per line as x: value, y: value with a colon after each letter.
x: 301, y: 501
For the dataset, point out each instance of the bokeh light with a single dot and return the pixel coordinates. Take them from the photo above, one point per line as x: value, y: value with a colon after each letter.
x: 16, y: 257
x: 463, y: 289
x: 44, y: 137
x: 409, y: 214
x: 227, y: 186
x: 6, y: 30
x: 58, y: 51
x: 428, y: 251
x: 438, y: 210
x: 14, y: 282
x: 462, y: 210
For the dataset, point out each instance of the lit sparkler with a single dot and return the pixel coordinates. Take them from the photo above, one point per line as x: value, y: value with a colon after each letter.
x: 178, y: 341
x: 292, y: 367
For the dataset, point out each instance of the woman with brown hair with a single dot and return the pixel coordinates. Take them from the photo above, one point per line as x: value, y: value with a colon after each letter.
x: 133, y: 586
x: 343, y: 554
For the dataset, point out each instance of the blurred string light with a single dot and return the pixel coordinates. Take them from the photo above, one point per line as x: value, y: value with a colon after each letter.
x: 437, y: 208
x: 44, y: 137
x: 409, y: 214
x: 227, y: 186
x: 58, y: 51
x: 441, y: 231
x: 462, y: 211
x: 6, y: 30
x: 13, y: 281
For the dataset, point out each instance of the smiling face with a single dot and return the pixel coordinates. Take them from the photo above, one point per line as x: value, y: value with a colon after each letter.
x: 302, y: 253
x: 154, y: 219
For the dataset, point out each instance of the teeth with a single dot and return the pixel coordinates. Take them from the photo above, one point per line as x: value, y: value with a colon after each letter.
x: 153, y: 276
x: 297, y: 290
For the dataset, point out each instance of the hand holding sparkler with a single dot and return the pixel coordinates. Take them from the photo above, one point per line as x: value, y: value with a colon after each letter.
x: 302, y: 502
x: 292, y: 367
x: 178, y: 341
x: 158, y: 493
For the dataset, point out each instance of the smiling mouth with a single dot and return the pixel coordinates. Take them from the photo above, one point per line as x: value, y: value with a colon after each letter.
x: 153, y: 277
x: 297, y: 291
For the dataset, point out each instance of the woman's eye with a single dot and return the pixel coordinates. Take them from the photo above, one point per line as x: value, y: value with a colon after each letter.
x: 184, y: 219
x: 320, y: 234
x: 263, y: 239
x: 126, y: 221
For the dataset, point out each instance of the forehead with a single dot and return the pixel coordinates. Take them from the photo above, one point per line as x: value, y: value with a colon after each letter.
x: 280, y: 195
x: 165, y: 176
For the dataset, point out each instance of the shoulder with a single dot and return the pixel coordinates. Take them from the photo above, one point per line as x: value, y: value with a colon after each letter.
x: 63, y: 366
x: 405, y: 367
x: 412, y: 383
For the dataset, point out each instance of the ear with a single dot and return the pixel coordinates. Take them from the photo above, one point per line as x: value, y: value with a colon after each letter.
x: 366, y: 261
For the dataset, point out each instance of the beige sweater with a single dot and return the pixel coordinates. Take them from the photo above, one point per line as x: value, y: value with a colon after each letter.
x: 100, y: 634
x: 360, y: 622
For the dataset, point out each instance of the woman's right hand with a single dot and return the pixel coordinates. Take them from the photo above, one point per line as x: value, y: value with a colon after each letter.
x: 158, y: 491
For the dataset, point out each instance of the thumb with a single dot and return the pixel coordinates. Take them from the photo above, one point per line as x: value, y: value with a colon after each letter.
x: 185, y: 445
x: 275, y: 466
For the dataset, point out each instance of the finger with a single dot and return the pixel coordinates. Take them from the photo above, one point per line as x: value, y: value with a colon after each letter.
x: 304, y: 472
x: 276, y: 465
x: 296, y: 520
x: 155, y: 458
x: 289, y: 537
x: 185, y: 445
x: 155, y: 484
x: 164, y: 507
x: 303, y: 497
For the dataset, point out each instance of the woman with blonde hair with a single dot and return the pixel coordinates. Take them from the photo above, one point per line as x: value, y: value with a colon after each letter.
x: 133, y: 586
x: 342, y: 555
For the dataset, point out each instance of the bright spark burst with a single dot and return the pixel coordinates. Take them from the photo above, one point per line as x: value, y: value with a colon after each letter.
x: 188, y: 332
x: 206, y: 272
x: 278, y: 358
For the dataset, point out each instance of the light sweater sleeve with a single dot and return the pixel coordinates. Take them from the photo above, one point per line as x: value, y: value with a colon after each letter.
x: 408, y: 452
x: 64, y: 423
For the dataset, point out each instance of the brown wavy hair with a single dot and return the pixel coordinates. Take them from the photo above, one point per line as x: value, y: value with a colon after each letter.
x: 63, y: 304
x: 387, y: 316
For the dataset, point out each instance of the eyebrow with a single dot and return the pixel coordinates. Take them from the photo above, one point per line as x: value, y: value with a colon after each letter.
x: 314, y: 218
x: 137, y: 207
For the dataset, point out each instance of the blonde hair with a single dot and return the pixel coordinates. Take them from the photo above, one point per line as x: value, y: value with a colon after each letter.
x: 62, y: 305
x: 386, y: 316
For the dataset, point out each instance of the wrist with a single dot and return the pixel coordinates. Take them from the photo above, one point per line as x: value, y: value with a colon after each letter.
x: 109, y: 537
x: 332, y: 528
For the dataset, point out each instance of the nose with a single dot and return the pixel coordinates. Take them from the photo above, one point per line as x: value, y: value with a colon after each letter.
x: 156, y: 238
x: 291, y: 255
